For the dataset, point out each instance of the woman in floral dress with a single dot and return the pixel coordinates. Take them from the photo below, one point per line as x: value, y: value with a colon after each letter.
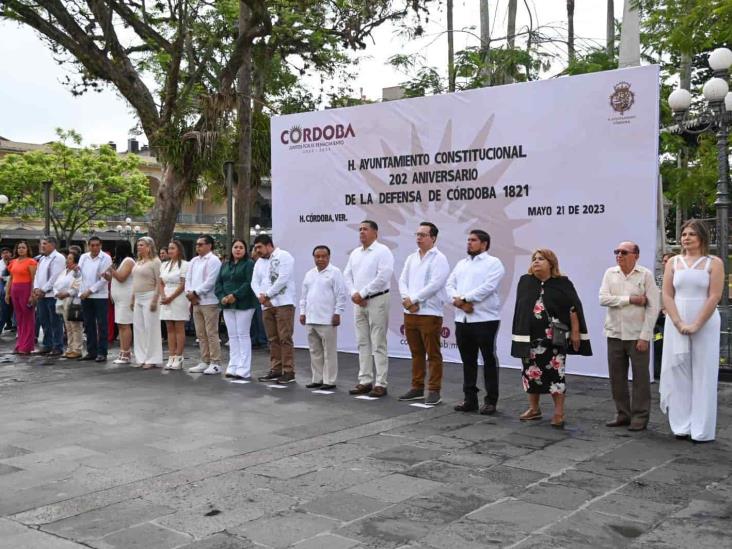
x: 543, y: 296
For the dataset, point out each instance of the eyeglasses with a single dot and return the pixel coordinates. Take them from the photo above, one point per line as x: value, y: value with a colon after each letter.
x: 421, y: 235
x: 622, y: 252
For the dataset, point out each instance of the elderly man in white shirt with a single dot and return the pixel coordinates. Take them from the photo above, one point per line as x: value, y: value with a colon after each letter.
x: 203, y: 270
x: 422, y: 289
x: 473, y: 289
x: 50, y: 266
x: 273, y: 282
x: 632, y: 299
x: 94, y: 295
x: 368, y: 278
x: 322, y: 302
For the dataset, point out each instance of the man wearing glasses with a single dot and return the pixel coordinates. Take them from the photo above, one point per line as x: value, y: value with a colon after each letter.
x: 632, y: 299
x: 203, y: 270
x: 422, y: 289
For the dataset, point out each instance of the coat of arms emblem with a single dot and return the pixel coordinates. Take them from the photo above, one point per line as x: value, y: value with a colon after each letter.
x: 622, y: 98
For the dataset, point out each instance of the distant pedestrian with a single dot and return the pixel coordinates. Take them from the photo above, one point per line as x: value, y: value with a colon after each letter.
x: 66, y: 292
x: 6, y: 309
x: 692, y: 287
x: 94, y: 299
x: 145, y: 304
x: 422, y: 289
x: 548, y: 324
x: 368, y: 280
x: 50, y: 266
x: 175, y: 310
x: 120, y: 273
x: 473, y: 288
x: 273, y: 283
x: 322, y: 302
x: 203, y: 270
x: 631, y: 296
x: 236, y: 298
x: 22, y: 269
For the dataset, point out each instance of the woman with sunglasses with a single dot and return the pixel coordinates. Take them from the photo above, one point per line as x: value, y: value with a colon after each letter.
x: 692, y: 288
x: 546, y: 301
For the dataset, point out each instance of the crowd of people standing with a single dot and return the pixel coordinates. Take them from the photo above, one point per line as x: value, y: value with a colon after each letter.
x: 65, y: 292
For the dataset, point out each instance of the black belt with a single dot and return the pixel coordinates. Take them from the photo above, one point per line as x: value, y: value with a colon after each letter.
x: 377, y: 294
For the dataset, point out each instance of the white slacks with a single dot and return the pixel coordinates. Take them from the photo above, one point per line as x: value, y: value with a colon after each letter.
x: 240, y: 343
x: 323, y: 343
x: 372, y: 323
x: 146, y: 329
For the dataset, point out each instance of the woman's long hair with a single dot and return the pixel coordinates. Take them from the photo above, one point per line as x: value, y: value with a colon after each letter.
x: 27, y: 247
x: 122, y: 250
x: 231, y: 251
x: 181, y: 254
x: 702, y: 231
x: 551, y: 257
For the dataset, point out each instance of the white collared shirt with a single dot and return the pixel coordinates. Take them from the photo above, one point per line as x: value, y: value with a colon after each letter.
x: 49, y: 268
x: 92, y: 269
x: 274, y: 277
x: 67, y: 281
x: 201, y: 277
x: 369, y: 270
x: 323, y: 295
x: 476, y: 280
x: 423, y: 281
x: 624, y: 320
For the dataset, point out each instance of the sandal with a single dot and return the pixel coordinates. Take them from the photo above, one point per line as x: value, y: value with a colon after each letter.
x: 531, y: 415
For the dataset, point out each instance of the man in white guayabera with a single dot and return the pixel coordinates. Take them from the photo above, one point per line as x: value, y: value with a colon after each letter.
x: 368, y: 277
x: 273, y: 282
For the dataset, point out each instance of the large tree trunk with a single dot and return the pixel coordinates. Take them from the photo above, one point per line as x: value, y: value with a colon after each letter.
x: 485, y: 42
x: 610, y: 29
x: 570, y: 31
x: 168, y: 202
x: 450, y: 50
x: 242, y: 210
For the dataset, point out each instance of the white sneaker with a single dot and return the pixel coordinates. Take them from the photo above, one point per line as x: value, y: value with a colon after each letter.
x: 171, y: 359
x: 198, y: 368
x: 177, y: 364
x: 212, y: 369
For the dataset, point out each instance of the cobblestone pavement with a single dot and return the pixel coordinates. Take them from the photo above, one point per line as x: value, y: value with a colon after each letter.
x: 115, y: 457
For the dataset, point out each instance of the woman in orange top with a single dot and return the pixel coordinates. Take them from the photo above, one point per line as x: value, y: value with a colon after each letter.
x: 22, y: 271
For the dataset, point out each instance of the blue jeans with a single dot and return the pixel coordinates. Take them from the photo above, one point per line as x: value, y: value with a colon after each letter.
x: 52, y: 324
x: 94, y: 312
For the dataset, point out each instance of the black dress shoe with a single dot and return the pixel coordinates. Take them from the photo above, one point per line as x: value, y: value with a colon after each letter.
x: 271, y: 376
x: 694, y: 441
x: 618, y: 423
x: 682, y: 437
x: 487, y: 409
x: 313, y: 385
x: 466, y: 406
x: 88, y: 357
x: 101, y: 358
x: 327, y: 387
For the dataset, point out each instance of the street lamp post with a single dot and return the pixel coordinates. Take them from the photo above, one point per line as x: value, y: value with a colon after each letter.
x: 128, y: 231
x: 716, y: 118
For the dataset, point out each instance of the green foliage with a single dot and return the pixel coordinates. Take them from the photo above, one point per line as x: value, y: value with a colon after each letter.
x: 595, y: 60
x: 88, y: 184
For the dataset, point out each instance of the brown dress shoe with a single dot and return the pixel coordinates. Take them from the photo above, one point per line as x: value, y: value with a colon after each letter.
x: 637, y: 427
x: 378, y: 391
x: 618, y: 423
x: 466, y: 406
x: 487, y: 409
x: 361, y: 389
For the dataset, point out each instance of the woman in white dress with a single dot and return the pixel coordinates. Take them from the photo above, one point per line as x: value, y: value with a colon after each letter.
x: 145, y: 297
x: 174, y: 307
x: 692, y: 288
x: 121, y: 293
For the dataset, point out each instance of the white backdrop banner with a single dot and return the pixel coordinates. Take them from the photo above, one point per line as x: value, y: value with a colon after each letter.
x: 569, y: 164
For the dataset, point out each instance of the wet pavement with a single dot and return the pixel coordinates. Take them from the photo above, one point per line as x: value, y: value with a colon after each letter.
x: 116, y: 457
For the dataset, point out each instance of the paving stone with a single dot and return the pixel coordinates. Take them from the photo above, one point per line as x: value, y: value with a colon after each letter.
x: 480, y: 432
x: 220, y: 541
x: 594, y: 484
x: 542, y: 541
x: 518, y: 514
x: 660, y: 491
x: 285, y: 530
x: 394, y: 488
x: 512, y: 476
x: 633, y: 508
x: 5, y: 469
x: 143, y: 536
x: 469, y: 534
x: 500, y: 448
x: 470, y: 459
x: 540, y: 461
x: 344, y: 506
x: 597, y: 530
x: 9, y: 451
x: 327, y: 541
x: 453, y: 502
x: 394, y: 527
x: 100, y: 522
x: 556, y: 495
x: 407, y: 454
x: 17, y: 536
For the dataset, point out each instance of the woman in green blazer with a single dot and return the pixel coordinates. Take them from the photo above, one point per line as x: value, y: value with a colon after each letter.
x: 234, y: 292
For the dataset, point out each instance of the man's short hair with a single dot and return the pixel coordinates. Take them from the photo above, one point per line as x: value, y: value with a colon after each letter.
x: 94, y: 239
x: 482, y: 236
x: 207, y: 238
x: 321, y: 247
x: 50, y: 240
x: 5, y: 249
x: 264, y: 239
x: 433, y: 228
x: 370, y: 223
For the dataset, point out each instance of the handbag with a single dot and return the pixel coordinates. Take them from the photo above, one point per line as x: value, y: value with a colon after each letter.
x: 559, y: 333
x: 73, y: 313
